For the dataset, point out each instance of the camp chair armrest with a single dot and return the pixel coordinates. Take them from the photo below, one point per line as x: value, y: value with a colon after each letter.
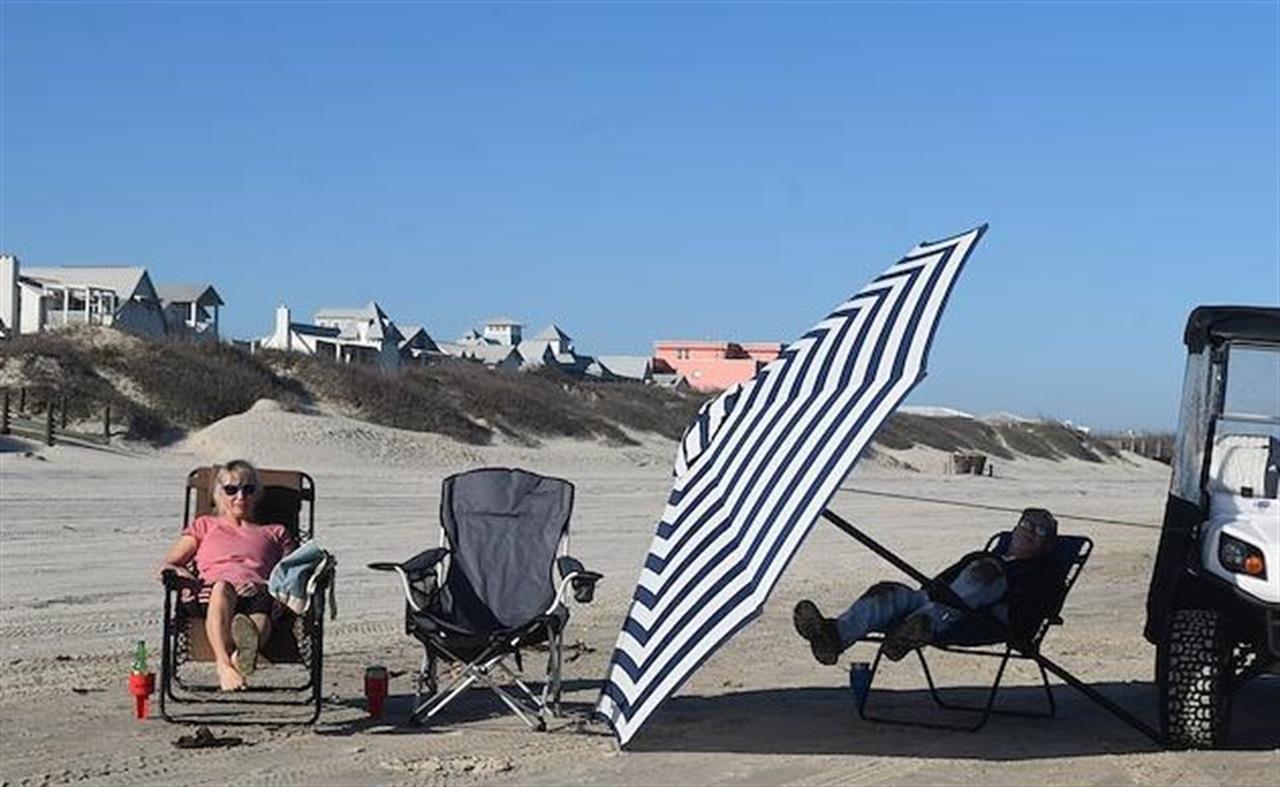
x: 420, y: 566
x: 173, y: 581
x: 417, y: 568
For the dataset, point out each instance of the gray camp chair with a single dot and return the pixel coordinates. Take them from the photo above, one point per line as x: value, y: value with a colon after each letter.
x: 488, y: 592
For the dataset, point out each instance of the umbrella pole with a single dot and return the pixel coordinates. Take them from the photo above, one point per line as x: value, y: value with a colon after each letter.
x: 955, y: 600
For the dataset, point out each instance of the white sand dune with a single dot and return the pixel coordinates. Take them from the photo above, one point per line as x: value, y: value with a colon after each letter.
x: 81, y: 532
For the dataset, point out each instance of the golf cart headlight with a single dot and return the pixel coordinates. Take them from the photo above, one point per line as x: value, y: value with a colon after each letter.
x: 1241, y: 557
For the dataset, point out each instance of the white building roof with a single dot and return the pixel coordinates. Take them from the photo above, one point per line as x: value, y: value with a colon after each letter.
x: 125, y: 281
x: 633, y: 367
x: 380, y: 324
x: 490, y: 354
x: 552, y: 333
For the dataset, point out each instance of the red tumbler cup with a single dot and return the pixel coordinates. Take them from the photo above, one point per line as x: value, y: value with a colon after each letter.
x: 141, y: 685
x: 375, y: 690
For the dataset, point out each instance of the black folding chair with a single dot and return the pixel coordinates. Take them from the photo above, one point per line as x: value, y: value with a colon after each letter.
x: 1070, y: 555
x: 288, y: 498
x: 488, y: 592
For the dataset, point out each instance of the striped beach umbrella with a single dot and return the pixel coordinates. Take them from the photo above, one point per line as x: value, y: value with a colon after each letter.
x: 758, y: 467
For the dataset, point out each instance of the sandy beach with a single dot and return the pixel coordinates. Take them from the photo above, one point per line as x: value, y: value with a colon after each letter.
x: 81, y: 531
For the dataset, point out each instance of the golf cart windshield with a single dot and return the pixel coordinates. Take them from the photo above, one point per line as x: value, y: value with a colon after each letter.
x: 1252, y: 401
x: 1236, y: 390
x: 1246, y: 443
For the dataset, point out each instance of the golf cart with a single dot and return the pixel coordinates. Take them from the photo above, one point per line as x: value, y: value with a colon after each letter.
x: 1213, y: 607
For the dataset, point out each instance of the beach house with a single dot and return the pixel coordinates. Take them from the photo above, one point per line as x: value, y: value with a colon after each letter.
x: 362, y: 334
x: 712, y: 365
x: 42, y: 298
x: 190, y: 310
x: 417, y: 346
x: 501, y: 344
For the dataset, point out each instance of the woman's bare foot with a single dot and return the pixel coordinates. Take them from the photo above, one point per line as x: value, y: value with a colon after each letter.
x: 245, y: 636
x: 229, y: 678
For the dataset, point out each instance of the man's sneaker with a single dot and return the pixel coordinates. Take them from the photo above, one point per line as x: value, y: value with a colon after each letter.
x: 823, y: 636
x: 912, y: 633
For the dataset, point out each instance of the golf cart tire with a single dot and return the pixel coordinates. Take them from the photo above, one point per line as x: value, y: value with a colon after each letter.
x: 1197, y: 680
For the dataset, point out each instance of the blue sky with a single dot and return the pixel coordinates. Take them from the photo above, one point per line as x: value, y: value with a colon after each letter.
x: 648, y: 171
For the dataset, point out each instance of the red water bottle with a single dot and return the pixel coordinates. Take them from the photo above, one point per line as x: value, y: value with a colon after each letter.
x: 142, y: 682
x: 375, y: 690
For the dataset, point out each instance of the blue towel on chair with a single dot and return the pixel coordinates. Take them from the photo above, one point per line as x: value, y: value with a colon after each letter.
x: 293, y: 580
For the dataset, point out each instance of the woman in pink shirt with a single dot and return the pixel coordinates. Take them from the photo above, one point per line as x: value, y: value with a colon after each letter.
x: 233, y: 556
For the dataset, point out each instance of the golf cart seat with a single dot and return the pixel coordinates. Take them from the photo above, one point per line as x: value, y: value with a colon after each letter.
x: 1244, y: 465
x: 974, y: 636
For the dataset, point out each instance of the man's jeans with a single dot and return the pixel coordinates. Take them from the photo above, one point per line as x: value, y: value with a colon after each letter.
x: 981, y: 583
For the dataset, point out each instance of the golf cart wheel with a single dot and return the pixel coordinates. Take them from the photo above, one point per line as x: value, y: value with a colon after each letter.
x: 1196, y: 679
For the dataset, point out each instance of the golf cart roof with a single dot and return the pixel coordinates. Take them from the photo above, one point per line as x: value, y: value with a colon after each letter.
x: 1232, y: 323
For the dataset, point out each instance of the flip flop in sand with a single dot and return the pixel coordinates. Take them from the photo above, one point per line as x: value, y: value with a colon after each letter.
x: 204, y: 739
x: 245, y: 636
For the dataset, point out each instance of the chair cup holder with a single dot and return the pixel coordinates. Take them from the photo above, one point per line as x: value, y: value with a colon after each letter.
x: 584, y: 586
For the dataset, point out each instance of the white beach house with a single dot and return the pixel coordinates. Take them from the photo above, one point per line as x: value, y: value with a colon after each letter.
x: 363, y: 334
x: 42, y: 298
x: 191, y: 310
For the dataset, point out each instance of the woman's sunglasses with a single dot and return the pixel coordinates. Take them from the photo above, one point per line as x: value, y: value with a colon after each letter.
x: 231, y: 490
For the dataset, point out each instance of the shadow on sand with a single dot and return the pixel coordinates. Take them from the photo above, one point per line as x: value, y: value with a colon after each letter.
x: 824, y: 721
x: 471, y: 707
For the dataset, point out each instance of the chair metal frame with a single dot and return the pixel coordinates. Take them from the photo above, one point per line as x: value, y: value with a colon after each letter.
x: 309, y: 631
x: 1006, y: 655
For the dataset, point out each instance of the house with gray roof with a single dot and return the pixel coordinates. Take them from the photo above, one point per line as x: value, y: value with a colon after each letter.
x: 417, y: 346
x: 41, y: 298
x: 633, y: 368
x: 502, y: 330
x: 503, y: 357
x: 362, y: 334
x: 190, y: 310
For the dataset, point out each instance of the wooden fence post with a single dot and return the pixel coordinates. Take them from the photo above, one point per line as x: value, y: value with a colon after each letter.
x: 4, y: 419
x: 22, y: 399
x: 106, y: 422
x: 48, y: 423
x: 62, y: 411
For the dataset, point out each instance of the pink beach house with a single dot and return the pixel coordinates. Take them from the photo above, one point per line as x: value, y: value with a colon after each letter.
x: 713, y: 365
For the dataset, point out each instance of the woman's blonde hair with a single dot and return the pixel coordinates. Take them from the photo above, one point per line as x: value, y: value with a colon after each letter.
x: 236, y: 467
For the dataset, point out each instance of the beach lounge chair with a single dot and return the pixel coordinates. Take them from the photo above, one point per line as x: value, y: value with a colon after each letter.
x: 1070, y: 555
x: 488, y: 592
x: 288, y: 498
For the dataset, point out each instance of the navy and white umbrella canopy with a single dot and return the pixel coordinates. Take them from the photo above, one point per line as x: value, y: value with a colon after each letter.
x: 758, y: 467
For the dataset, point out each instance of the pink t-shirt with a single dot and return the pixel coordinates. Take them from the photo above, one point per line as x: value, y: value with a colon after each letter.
x: 237, y: 553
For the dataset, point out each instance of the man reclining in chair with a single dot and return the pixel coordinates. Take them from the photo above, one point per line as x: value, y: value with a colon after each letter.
x: 1015, y: 587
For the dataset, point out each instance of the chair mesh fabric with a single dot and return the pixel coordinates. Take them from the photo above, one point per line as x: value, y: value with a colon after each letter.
x: 503, y: 527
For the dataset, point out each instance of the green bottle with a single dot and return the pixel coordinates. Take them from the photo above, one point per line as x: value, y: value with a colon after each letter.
x: 140, y: 658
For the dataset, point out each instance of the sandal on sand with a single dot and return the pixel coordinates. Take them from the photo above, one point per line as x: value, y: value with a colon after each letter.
x: 204, y: 739
x: 245, y: 636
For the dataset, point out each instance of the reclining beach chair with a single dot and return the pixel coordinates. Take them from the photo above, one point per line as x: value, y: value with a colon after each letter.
x: 975, y: 637
x: 488, y: 592
x: 288, y: 498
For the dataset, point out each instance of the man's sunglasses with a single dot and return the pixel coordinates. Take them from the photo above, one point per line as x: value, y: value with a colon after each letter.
x: 231, y: 490
x: 1040, y: 529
